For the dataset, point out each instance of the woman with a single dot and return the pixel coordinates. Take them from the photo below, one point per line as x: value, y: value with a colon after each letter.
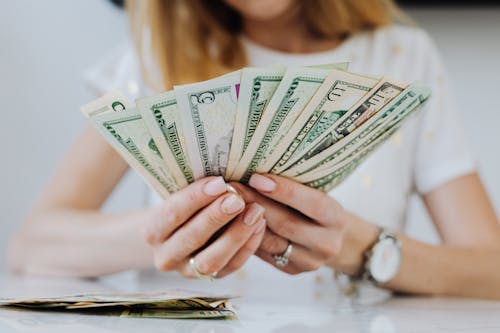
x: 294, y: 228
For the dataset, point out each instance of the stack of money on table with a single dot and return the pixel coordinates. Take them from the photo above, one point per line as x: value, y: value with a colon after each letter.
x: 312, y: 124
x: 173, y: 304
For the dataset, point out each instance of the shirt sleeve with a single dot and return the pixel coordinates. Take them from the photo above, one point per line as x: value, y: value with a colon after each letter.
x: 442, y: 148
x: 119, y: 69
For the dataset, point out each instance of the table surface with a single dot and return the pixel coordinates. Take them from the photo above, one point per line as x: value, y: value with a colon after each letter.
x: 264, y: 306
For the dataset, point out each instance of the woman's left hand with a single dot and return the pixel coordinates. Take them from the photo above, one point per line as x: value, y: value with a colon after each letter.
x: 314, y: 223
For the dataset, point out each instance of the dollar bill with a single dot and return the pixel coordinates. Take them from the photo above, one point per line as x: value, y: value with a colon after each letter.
x: 124, y: 297
x: 128, y: 134
x: 333, y: 178
x: 338, y: 93
x: 187, y: 303
x: 178, y: 314
x: 390, y: 115
x: 111, y: 107
x: 327, y: 179
x: 371, y: 103
x: 394, y: 112
x: 162, y: 116
x: 292, y: 95
x: 209, y: 111
x: 256, y: 89
x: 403, y: 109
x: 170, y: 304
x: 114, y: 101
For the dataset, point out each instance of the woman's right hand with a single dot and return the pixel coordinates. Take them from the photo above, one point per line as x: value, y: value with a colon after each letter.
x: 182, y: 225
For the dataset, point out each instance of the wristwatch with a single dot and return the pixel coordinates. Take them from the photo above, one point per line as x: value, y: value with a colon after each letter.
x: 383, y: 258
x: 382, y: 262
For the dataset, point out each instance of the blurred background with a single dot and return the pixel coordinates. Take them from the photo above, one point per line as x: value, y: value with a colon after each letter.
x: 45, y: 47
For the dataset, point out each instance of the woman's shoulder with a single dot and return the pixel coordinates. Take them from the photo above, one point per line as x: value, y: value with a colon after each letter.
x: 412, y: 38
x: 118, y: 69
x: 399, y: 51
x: 402, y: 32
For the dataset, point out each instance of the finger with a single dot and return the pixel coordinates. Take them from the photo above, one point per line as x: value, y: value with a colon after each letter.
x: 219, y: 253
x: 285, y: 222
x: 296, y: 227
x: 197, y: 231
x: 248, y: 249
x: 181, y: 205
x: 289, y: 269
x: 300, y: 263
x: 310, y: 202
x: 243, y: 254
x: 321, y: 242
x: 272, y: 243
x: 301, y: 257
x: 186, y: 270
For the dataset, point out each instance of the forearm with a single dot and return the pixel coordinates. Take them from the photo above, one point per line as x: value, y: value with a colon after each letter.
x: 447, y: 270
x: 79, y: 243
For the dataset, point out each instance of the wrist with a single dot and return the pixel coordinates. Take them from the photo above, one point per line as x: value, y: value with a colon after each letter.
x: 359, y: 237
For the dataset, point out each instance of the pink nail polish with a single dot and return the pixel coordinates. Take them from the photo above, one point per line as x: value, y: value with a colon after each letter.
x: 215, y: 187
x: 262, y: 183
x: 232, y: 204
x: 260, y: 227
x: 253, y: 214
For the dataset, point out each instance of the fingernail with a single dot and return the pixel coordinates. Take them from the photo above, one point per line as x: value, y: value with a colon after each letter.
x: 260, y: 227
x: 230, y: 188
x: 253, y: 214
x: 232, y: 204
x: 262, y: 183
x: 215, y: 187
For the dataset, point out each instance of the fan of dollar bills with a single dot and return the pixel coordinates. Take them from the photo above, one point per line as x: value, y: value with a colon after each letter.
x: 312, y: 124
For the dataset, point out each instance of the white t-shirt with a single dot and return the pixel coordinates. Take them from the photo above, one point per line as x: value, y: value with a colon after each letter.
x: 427, y: 152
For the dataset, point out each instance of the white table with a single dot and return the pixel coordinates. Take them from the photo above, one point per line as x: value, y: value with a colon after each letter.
x: 264, y: 307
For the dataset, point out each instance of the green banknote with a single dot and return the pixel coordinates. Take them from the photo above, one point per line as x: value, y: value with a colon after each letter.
x: 371, y: 103
x: 128, y: 134
x: 294, y: 92
x: 208, y: 121
x: 162, y: 116
x: 338, y: 93
x: 344, y: 159
x: 256, y: 90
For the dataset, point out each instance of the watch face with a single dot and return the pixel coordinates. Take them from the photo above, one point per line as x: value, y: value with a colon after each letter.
x: 385, y: 260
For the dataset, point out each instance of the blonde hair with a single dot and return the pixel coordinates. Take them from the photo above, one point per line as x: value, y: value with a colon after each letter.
x: 193, y: 40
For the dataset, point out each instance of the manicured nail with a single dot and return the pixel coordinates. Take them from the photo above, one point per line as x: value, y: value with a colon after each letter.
x: 215, y: 187
x: 260, y: 227
x: 230, y: 188
x: 253, y: 214
x: 232, y: 204
x: 262, y: 183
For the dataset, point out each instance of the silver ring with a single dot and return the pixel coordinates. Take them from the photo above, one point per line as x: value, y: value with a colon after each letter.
x: 281, y: 260
x: 197, y: 273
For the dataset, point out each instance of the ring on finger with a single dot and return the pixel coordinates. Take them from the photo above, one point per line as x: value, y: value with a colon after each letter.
x: 281, y: 260
x: 197, y: 273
